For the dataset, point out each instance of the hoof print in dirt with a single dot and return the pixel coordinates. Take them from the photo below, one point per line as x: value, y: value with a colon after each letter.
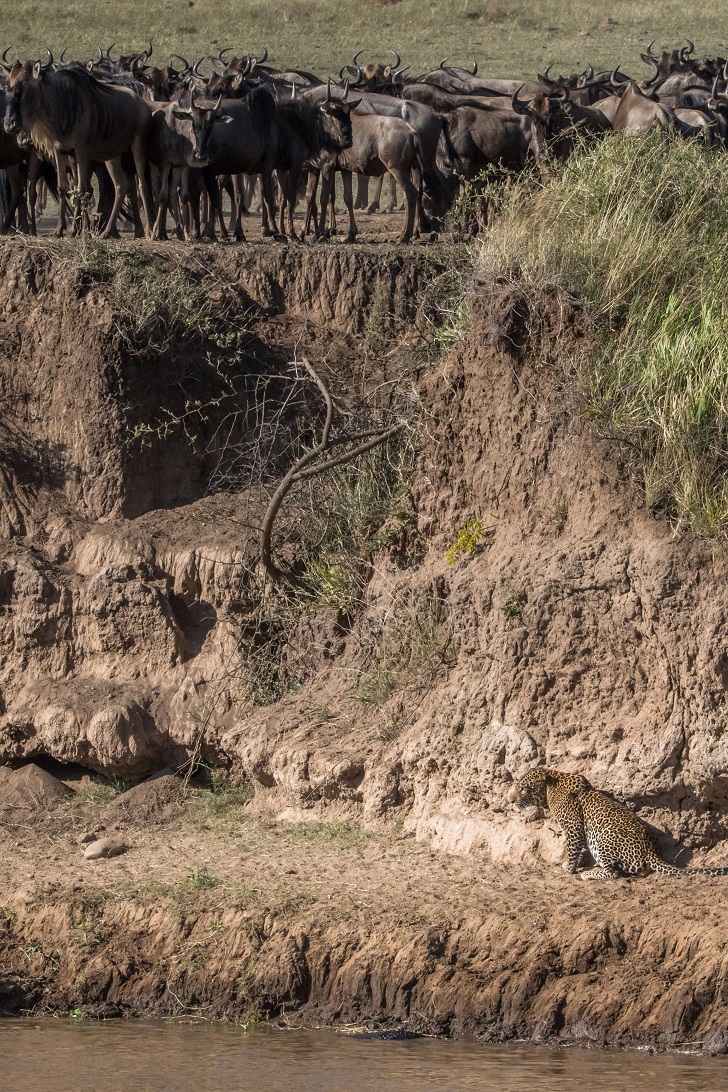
x: 104, y: 847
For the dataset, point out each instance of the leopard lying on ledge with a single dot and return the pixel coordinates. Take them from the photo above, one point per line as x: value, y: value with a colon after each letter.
x: 619, y: 842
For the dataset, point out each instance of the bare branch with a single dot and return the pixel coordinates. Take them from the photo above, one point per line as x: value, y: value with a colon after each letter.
x: 307, y: 466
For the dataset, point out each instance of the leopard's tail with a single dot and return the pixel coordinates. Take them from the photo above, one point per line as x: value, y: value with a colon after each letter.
x: 658, y: 865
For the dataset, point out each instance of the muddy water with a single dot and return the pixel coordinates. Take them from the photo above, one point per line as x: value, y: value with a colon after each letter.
x: 38, y: 1056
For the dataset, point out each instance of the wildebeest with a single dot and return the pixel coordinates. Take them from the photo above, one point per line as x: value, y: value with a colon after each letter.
x: 68, y: 111
x: 311, y: 134
x: 178, y: 138
x: 245, y: 143
x: 380, y: 145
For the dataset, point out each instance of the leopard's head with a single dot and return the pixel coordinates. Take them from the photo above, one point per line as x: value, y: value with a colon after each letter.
x: 531, y: 788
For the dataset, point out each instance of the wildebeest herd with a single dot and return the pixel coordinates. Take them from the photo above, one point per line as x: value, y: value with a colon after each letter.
x: 172, y: 138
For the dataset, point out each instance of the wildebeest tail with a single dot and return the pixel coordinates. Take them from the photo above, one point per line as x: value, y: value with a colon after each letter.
x: 454, y: 160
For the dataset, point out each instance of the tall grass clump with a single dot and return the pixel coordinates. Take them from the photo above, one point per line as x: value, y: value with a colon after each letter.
x: 637, y: 226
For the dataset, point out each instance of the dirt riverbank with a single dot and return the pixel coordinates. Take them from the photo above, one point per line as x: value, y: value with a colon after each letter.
x: 518, y: 605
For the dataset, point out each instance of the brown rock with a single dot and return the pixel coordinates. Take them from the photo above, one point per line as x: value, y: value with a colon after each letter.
x: 104, y: 847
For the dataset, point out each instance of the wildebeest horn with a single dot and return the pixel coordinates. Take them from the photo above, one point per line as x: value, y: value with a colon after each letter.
x: 546, y: 73
x: 725, y: 70
x: 108, y: 51
x: 613, y: 78
x: 220, y: 54
x: 561, y: 93
x: 101, y: 55
x: 4, y: 60
x: 688, y: 49
x: 185, y: 64
x: 649, y: 48
x: 328, y: 89
x: 49, y: 62
x: 149, y: 49
x: 195, y: 69
x: 346, y: 89
x: 651, y: 60
x: 397, y: 59
x: 341, y: 72
x: 64, y: 51
x: 293, y: 92
x: 442, y: 62
x: 475, y: 69
x: 589, y: 72
x: 516, y: 104
x: 216, y: 107
x: 264, y: 58
x: 355, y: 58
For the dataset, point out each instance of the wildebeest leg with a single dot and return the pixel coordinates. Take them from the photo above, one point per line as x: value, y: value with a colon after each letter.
x: 140, y: 163
x: 410, y: 201
x: 374, y: 207
x: 134, y: 204
x: 362, y: 191
x: 34, y: 175
x: 17, y: 188
x: 121, y: 186
x: 159, y: 231
x: 238, y: 202
x: 311, y: 207
x: 240, y: 189
x: 348, y: 201
x: 266, y: 178
x: 328, y: 183
x: 212, y: 197
x: 84, y: 193
x: 392, y: 195
x: 220, y: 214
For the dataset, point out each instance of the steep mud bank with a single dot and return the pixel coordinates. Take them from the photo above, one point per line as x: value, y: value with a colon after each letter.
x: 521, y: 606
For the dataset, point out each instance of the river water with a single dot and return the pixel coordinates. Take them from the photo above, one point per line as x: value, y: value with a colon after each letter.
x: 69, y: 1056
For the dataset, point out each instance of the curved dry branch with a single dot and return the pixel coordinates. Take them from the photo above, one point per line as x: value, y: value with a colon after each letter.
x: 307, y: 467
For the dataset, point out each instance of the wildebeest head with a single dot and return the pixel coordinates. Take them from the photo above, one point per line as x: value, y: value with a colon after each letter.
x: 23, y: 96
x: 203, y: 121
x: 335, y: 117
x: 547, y: 109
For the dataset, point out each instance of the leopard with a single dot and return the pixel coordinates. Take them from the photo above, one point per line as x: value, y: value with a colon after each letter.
x: 593, y: 823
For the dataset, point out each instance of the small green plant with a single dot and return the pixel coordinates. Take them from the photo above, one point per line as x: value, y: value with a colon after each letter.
x: 89, y: 933
x: 467, y: 540
x: 223, y: 801
x: 560, y: 514
x: 199, y: 878
x: 514, y: 603
x: 76, y: 1014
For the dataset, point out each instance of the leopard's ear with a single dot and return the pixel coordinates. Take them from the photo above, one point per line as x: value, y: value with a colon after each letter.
x: 551, y: 777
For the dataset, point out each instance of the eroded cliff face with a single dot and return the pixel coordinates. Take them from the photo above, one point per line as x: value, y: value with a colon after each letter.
x: 580, y: 629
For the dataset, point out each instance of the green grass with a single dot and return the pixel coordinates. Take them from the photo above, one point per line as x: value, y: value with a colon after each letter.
x: 223, y: 804
x: 507, y: 38
x: 637, y: 227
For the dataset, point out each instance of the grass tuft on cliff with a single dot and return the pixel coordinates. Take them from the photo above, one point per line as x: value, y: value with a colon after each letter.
x: 636, y: 227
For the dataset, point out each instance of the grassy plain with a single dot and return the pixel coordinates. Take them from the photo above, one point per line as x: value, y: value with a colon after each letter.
x: 507, y: 38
